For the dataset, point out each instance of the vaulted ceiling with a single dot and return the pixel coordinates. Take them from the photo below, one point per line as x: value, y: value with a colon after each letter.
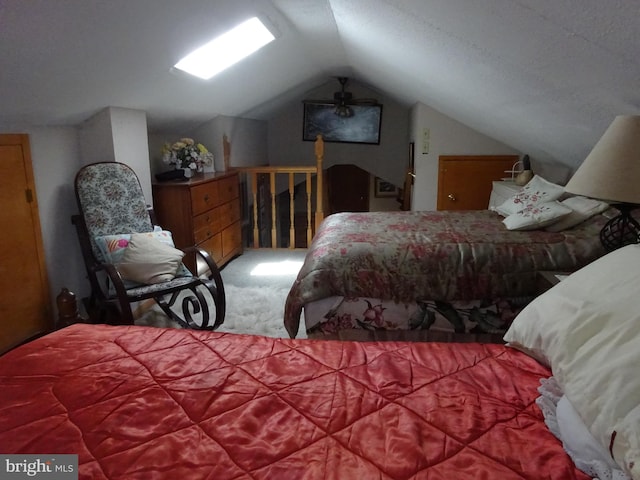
x: 544, y: 76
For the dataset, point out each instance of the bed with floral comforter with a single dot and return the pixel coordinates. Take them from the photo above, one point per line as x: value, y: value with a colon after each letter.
x: 445, y: 276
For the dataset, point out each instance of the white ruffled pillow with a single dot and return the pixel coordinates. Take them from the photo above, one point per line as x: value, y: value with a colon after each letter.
x: 538, y: 190
x: 536, y: 215
x: 582, y: 208
x: 565, y: 423
x: 587, y: 328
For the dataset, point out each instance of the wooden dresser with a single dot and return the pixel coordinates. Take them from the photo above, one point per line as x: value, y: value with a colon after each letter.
x: 202, y: 211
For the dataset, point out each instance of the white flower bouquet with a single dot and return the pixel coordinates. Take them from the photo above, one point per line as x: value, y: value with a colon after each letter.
x: 185, y: 153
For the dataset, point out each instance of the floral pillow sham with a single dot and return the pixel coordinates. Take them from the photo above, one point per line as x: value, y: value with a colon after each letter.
x: 537, y: 191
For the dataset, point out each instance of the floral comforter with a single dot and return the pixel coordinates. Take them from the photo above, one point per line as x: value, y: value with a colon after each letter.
x: 418, y: 257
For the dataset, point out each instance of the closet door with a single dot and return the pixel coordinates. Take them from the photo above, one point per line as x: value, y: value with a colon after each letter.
x: 25, y: 309
x: 465, y: 181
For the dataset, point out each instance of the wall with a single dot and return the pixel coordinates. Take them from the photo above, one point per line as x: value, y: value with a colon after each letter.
x: 118, y: 135
x: 381, y: 204
x: 387, y: 160
x: 446, y: 137
x: 248, y: 140
x: 130, y: 144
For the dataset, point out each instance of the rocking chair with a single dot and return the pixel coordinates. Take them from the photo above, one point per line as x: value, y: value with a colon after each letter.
x: 113, y: 219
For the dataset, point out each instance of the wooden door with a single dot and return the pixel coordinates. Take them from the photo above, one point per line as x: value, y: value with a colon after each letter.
x: 347, y: 189
x: 24, y: 293
x: 464, y: 182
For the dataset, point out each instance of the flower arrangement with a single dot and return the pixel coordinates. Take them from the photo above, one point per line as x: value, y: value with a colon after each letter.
x: 185, y: 153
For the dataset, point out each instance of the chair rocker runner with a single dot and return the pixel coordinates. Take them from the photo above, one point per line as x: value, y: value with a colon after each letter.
x: 114, y: 219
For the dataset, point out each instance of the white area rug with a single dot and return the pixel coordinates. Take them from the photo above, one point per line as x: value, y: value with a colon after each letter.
x: 250, y: 310
x: 256, y: 287
x: 257, y: 311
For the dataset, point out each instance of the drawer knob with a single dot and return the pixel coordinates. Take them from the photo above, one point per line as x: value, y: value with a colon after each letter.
x: 451, y: 197
x: 206, y: 198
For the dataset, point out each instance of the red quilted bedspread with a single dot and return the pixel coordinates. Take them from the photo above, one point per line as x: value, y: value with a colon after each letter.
x: 143, y: 403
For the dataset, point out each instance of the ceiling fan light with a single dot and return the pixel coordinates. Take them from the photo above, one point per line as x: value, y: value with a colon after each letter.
x: 343, y: 111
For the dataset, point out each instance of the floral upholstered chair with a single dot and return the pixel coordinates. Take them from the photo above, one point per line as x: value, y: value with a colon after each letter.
x: 129, y: 259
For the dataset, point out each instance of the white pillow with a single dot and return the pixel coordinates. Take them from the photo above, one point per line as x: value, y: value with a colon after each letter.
x: 536, y: 215
x: 585, y: 451
x: 565, y: 423
x: 582, y: 208
x: 587, y: 328
x: 148, y: 260
x: 538, y: 190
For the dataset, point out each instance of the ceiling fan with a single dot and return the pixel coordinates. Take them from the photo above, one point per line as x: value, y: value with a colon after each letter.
x: 343, y: 99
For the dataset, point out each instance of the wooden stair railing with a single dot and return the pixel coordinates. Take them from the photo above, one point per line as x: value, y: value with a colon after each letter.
x: 291, y: 171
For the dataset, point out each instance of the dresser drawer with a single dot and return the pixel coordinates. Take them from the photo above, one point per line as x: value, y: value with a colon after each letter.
x: 231, y: 239
x: 228, y: 189
x: 204, y: 197
x: 206, y: 224
x: 229, y: 213
x: 213, y: 246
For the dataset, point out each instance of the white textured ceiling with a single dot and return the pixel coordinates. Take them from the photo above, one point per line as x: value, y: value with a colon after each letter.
x: 544, y: 76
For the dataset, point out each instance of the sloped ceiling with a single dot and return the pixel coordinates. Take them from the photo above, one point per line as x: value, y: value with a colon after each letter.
x: 544, y: 76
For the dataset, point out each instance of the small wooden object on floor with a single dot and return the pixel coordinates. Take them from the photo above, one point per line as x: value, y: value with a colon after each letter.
x: 67, y: 309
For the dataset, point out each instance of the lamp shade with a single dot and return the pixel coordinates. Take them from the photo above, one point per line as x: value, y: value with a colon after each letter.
x: 611, y: 171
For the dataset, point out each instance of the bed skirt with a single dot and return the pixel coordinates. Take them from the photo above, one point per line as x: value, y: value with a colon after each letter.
x: 372, y: 319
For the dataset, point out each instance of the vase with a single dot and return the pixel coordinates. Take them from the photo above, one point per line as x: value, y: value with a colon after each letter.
x: 523, y: 177
x: 188, y: 173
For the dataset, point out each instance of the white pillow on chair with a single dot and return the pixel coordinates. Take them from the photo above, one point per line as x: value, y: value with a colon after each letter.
x: 148, y: 260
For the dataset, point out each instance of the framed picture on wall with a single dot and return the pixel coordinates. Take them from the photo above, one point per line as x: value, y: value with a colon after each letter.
x: 362, y: 127
x: 384, y: 188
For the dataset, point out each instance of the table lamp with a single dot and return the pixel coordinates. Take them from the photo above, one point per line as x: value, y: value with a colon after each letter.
x: 611, y: 172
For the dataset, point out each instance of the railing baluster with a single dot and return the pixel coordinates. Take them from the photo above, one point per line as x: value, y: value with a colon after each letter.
x: 292, y: 213
x: 309, y: 231
x: 254, y: 191
x: 274, y: 235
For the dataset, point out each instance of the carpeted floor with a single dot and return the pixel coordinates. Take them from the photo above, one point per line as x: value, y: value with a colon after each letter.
x: 264, y: 268
x: 256, y: 286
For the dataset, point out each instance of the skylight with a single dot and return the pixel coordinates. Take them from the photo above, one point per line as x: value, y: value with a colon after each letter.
x: 227, y: 49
